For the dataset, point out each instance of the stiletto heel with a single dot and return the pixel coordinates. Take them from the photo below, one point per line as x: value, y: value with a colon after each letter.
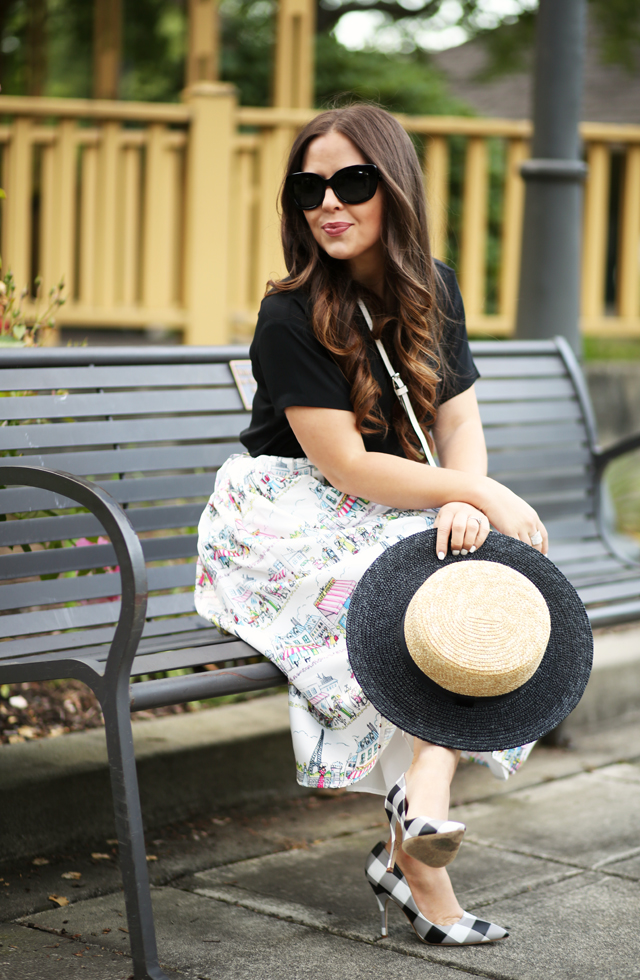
x: 433, y: 842
x: 392, y: 885
x: 396, y: 840
x: 383, y: 903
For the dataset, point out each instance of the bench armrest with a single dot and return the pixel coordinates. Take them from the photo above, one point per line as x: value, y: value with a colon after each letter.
x: 602, y: 457
x: 125, y: 542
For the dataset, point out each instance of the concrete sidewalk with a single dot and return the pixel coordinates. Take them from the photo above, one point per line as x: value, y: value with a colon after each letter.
x: 279, y: 894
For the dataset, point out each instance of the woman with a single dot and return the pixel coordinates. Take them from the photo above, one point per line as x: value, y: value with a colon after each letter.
x: 334, y: 472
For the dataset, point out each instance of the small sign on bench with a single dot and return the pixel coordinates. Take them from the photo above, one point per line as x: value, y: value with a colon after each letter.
x: 245, y: 382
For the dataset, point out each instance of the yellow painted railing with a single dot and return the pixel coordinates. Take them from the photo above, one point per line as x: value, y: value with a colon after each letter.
x: 165, y: 215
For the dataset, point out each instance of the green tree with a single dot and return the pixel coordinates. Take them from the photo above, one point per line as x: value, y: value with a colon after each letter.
x: 155, y: 40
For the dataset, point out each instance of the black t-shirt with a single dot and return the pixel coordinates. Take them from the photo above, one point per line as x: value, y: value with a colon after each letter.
x: 292, y: 367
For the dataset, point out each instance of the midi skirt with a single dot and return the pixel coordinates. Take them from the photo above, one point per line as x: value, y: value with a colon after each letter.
x: 280, y: 553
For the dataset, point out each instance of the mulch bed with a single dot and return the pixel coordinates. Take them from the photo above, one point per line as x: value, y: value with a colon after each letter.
x: 46, y: 709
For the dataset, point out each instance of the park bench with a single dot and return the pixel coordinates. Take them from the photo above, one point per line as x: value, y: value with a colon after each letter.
x: 121, y: 446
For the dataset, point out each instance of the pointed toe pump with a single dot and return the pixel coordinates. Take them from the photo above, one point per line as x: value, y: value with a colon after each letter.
x: 433, y: 842
x: 393, y: 886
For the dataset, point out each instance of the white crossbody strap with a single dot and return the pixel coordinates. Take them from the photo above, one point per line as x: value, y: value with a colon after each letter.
x: 400, y: 388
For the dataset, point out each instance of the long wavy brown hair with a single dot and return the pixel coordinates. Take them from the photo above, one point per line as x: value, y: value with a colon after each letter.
x: 409, y: 322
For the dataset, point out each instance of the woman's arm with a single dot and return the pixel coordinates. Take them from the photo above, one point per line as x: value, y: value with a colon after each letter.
x: 460, y: 443
x: 458, y: 434
x: 331, y: 441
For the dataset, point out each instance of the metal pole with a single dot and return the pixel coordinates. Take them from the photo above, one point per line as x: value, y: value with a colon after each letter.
x: 548, y: 298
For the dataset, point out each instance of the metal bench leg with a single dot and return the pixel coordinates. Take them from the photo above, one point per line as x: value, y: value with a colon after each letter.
x: 128, y: 816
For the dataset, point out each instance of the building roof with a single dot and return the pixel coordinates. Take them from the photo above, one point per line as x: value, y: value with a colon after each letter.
x: 611, y: 93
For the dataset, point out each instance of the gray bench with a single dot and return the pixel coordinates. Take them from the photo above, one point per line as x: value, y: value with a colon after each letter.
x: 125, y: 443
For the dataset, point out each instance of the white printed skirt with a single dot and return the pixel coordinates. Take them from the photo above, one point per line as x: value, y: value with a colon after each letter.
x: 280, y: 553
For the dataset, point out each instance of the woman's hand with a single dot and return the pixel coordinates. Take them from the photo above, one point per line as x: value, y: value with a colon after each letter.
x: 466, y: 526
x: 513, y: 516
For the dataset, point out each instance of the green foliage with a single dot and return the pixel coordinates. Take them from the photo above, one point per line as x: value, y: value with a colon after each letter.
x: 403, y: 83
x: 622, y: 480
x: 248, y: 36
x: 154, y: 50
x: 611, y: 349
x: 509, y: 47
x: 399, y: 82
x: 14, y: 328
x: 510, y: 44
x: 619, y: 21
x: 155, y: 44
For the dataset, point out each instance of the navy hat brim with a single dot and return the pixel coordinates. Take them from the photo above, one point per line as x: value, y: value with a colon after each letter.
x: 401, y: 694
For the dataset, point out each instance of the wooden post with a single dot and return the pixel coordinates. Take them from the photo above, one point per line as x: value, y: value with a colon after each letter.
x: 212, y: 129
x: 204, y: 41
x: 59, y: 210
x: 16, y: 224
x: 473, y: 248
x: 595, y: 229
x: 513, y: 209
x: 436, y: 182
x: 294, y: 64
x: 107, y: 48
x: 629, y: 248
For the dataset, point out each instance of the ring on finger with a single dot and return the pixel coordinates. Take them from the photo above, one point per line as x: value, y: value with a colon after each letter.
x: 536, y: 538
x: 472, y: 517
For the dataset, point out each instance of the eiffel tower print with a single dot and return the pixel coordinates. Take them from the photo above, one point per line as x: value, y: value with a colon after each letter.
x: 315, y: 764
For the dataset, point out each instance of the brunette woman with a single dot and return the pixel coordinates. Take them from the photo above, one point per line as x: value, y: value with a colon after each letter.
x: 335, y: 473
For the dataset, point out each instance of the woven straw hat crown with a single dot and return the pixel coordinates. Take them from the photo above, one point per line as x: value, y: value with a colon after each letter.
x: 478, y: 629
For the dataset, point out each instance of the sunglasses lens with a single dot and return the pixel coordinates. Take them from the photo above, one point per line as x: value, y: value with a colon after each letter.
x: 354, y: 185
x: 307, y: 190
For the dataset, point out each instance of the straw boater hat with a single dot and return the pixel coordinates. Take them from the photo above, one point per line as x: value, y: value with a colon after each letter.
x: 484, y: 652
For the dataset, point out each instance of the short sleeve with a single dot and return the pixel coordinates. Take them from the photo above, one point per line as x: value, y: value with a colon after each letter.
x: 460, y: 371
x: 296, y: 368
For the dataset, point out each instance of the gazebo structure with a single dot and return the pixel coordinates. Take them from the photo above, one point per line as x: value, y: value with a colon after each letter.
x: 163, y: 215
x: 293, y: 74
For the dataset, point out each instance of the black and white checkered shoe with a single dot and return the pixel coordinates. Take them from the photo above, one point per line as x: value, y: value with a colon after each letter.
x: 434, y: 842
x: 392, y: 885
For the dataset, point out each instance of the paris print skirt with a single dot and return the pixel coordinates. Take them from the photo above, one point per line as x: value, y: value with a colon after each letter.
x: 280, y: 553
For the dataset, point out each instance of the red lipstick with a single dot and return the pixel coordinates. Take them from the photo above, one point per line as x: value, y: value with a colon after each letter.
x: 335, y: 228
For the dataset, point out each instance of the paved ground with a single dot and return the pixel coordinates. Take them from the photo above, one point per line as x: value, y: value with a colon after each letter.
x: 553, y: 854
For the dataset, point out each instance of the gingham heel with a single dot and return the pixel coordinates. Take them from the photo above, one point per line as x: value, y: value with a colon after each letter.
x: 433, y: 842
x: 392, y: 886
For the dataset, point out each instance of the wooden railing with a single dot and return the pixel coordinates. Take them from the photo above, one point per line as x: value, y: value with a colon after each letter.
x: 165, y: 215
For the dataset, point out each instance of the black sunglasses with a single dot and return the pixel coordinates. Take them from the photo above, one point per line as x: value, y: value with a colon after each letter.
x: 352, y: 185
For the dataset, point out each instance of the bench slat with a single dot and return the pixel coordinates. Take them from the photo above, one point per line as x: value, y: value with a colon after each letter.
x: 547, y: 483
x: 114, y: 376
x: 610, y: 592
x: 81, y: 617
x: 493, y: 413
x: 535, y: 459
x: 524, y: 389
x: 578, y: 551
x: 124, y: 431
x: 50, y: 643
x: 545, y: 366
x: 575, y: 529
x: 215, y: 649
x: 57, y: 560
x: 544, y: 436
x: 200, y: 635
x: 219, y: 653
x: 79, y: 588
x: 36, y: 530
x: 552, y: 508
x: 600, y: 574
x: 127, y: 491
x: 114, y: 403
x: 615, y: 614
x: 139, y: 460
